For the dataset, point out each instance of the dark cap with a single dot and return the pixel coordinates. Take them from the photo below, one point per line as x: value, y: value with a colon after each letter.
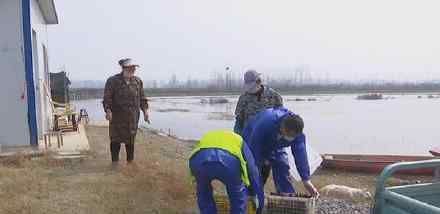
x: 250, y: 80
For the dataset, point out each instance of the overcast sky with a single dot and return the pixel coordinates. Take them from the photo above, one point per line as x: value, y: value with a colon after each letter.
x: 347, y: 39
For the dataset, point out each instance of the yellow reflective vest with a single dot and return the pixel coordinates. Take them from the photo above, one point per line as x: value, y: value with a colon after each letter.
x: 228, y: 141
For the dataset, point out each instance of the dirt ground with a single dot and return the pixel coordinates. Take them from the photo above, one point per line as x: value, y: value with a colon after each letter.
x: 158, y: 182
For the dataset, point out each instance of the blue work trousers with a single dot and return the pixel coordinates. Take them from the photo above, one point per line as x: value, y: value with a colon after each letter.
x: 279, y: 165
x: 206, y: 168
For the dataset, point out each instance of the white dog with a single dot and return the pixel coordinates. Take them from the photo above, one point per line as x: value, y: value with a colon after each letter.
x: 345, y: 192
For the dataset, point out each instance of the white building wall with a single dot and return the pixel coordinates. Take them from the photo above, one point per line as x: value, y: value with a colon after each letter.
x: 41, y: 69
x: 14, y: 129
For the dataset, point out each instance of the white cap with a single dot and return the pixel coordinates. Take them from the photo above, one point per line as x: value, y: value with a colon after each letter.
x: 128, y: 62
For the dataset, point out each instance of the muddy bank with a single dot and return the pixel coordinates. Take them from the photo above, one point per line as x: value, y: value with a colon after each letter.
x: 159, y: 182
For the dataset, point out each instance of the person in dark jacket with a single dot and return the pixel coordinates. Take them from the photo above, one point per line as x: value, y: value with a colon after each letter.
x: 256, y: 98
x: 124, y: 98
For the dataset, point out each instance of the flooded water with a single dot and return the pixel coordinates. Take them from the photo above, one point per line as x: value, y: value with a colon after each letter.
x: 402, y: 124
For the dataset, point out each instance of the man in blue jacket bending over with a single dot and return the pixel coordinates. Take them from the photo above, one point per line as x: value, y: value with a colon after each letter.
x: 224, y: 156
x: 267, y: 134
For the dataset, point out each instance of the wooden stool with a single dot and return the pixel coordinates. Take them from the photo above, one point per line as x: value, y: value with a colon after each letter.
x: 47, y: 138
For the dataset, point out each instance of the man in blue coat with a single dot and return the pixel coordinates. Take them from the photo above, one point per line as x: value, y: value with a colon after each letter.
x: 267, y: 134
x: 224, y: 156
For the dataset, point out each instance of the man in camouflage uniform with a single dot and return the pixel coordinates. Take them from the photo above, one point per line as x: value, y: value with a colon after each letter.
x: 123, y: 99
x: 256, y: 98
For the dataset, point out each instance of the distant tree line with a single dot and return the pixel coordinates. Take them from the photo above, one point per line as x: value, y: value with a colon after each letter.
x: 226, y: 86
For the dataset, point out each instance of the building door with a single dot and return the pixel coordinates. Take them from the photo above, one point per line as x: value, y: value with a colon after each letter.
x: 37, y: 83
x: 47, y: 99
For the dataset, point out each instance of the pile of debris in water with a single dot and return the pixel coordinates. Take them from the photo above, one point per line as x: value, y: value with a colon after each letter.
x: 220, y: 116
x: 303, y: 99
x: 214, y: 100
x: 173, y: 110
x: 373, y: 96
x: 431, y: 96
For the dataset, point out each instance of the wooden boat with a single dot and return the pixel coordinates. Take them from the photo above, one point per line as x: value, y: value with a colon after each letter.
x: 371, y: 163
x: 435, y: 151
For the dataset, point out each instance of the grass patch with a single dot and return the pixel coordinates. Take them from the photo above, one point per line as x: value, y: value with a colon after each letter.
x: 155, y: 184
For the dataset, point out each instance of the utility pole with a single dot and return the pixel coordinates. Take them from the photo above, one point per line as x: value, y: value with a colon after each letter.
x: 228, y: 77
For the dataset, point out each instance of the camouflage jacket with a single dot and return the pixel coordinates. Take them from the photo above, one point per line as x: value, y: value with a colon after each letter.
x: 249, y: 104
x: 125, y: 100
